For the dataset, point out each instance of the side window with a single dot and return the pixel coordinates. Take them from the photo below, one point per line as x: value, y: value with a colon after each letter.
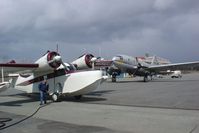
x: 71, y: 67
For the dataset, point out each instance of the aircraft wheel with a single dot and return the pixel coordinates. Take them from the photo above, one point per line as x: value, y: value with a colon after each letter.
x: 55, y: 97
x: 146, y: 78
x: 113, y: 79
x: 151, y: 77
x: 78, y: 97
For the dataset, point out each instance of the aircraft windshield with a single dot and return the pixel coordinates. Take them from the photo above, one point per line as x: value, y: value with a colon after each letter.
x: 120, y: 57
x: 70, y: 67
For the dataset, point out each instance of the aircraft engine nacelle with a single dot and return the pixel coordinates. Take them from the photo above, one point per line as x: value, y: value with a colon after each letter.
x: 50, y: 61
x: 83, y: 62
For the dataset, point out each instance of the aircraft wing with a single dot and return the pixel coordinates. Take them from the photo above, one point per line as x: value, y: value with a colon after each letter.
x: 18, y: 68
x: 174, y: 66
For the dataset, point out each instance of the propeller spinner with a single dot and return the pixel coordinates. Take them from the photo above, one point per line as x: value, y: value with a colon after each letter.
x: 54, y: 59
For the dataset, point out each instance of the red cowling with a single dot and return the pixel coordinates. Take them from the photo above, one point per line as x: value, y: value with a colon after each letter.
x: 53, y: 64
x: 88, y: 58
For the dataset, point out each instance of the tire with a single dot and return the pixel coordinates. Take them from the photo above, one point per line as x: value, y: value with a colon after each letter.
x: 57, y: 93
x: 55, y: 97
x: 146, y: 78
x: 78, y: 97
x: 113, y: 79
x: 59, y: 88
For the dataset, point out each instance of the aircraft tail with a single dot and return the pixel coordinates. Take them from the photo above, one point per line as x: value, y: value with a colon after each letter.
x: 154, y: 60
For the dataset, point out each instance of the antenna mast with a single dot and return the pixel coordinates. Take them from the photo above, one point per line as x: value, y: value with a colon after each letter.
x: 57, y: 48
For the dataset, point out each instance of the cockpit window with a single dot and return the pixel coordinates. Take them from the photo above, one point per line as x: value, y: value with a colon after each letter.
x: 70, y: 67
x: 120, y: 57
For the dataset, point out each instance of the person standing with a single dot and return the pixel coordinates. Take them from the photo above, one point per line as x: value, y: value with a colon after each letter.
x: 43, y: 89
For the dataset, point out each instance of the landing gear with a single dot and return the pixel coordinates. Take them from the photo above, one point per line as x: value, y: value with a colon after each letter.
x: 57, y: 93
x: 55, y: 97
x: 146, y: 77
x: 113, y: 77
x: 78, y: 97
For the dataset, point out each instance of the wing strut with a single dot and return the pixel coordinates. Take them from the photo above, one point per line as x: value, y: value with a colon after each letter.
x: 2, y: 74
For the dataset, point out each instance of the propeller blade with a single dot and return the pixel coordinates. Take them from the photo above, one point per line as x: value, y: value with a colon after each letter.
x: 63, y: 64
x: 138, y: 63
x: 93, y: 59
x: 55, y: 59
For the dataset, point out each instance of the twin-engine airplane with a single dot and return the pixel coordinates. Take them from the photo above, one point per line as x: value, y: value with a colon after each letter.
x: 63, y: 78
x: 137, y: 67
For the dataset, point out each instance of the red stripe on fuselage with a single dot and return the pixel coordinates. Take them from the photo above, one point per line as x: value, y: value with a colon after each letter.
x: 55, y: 74
x: 20, y: 65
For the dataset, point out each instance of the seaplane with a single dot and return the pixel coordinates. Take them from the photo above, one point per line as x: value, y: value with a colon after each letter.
x: 63, y: 78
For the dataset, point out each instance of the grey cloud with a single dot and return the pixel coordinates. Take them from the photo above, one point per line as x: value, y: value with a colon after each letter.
x: 130, y: 27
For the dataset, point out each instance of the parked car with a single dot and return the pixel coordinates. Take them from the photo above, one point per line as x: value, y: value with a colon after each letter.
x: 176, y: 74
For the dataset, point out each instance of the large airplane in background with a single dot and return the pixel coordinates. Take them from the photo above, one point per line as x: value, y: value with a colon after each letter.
x: 63, y: 78
x: 138, y: 67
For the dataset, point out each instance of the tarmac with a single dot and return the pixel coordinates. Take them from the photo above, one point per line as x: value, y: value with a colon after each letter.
x: 129, y: 106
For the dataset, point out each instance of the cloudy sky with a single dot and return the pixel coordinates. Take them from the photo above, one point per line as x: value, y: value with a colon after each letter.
x: 167, y: 28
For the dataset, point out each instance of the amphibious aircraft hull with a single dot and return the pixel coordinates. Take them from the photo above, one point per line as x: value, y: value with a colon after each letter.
x: 69, y: 84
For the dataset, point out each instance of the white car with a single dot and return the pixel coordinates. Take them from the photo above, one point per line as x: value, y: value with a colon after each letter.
x: 176, y: 74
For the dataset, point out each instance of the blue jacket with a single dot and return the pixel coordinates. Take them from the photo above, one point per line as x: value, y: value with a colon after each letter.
x: 43, y: 87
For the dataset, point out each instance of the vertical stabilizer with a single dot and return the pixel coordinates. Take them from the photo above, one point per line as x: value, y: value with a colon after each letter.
x: 154, y: 61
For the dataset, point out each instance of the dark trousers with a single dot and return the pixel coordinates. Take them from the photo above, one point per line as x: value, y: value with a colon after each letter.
x: 43, y: 96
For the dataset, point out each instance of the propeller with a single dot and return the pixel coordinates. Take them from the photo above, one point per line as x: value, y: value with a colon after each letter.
x: 93, y: 59
x: 65, y: 67
x: 88, y: 58
x: 138, y: 65
x: 54, y: 59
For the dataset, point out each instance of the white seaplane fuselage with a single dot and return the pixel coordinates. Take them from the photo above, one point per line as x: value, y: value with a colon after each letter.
x: 62, y: 78
x: 67, y: 83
